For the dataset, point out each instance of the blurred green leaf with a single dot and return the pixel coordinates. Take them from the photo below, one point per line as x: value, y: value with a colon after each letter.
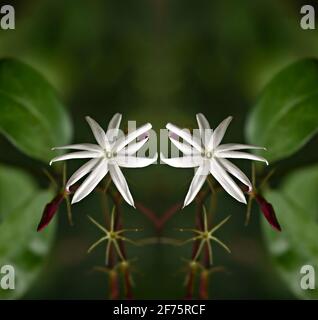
x: 296, y: 204
x: 20, y: 245
x: 31, y: 116
x: 286, y: 114
x: 11, y: 181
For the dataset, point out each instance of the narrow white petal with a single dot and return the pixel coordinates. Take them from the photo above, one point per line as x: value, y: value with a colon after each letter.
x: 114, y: 123
x: 226, y: 181
x: 183, y: 162
x: 135, y: 162
x: 81, y: 172
x: 218, y: 133
x: 185, y: 136
x: 204, y: 127
x: 82, y: 146
x: 113, y: 126
x: 91, y: 181
x: 240, y: 155
x: 98, y: 133
x: 120, y: 183
x: 121, y: 143
x: 196, y: 184
x: 236, y: 146
x: 77, y: 155
x: 203, y: 123
x: 236, y: 172
x: 133, y: 147
x: 183, y: 147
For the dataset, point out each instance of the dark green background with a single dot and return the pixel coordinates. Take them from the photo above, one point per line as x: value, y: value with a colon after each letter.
x: 158, y: 61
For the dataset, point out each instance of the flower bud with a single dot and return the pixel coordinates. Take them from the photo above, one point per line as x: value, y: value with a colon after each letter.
x: 50, y: 210
x: 268, y: 211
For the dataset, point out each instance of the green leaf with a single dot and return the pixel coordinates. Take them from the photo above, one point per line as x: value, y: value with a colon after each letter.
x: 31, y: 116
x: 16, y: 187
x: 20, y: 245
x: 296, y: 204
x: 286, y: 115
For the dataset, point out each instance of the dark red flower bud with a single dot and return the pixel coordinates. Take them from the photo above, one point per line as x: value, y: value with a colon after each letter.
x: 268, y: 211
x: 50, y: 210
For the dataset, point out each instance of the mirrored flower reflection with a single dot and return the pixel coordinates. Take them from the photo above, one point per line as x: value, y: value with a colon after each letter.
x: 111, y: 152
x: 209, y: 156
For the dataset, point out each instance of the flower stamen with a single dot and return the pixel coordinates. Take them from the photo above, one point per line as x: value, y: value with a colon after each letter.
x: 206, y: 236
x: 112, y: 236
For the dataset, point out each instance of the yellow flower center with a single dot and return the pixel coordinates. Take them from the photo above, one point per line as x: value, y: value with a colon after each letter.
x: 207, y: 154
x: 109, y: 154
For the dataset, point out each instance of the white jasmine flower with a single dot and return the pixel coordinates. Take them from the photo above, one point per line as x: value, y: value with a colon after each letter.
x: 111, y: 152
x: 209, y: 156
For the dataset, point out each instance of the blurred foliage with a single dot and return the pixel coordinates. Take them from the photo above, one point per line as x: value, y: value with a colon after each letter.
x: 31, y: 116
x: 296, y: 203
x: 158, y: 61
x: 286, y: 114
x: 33, y: 120
x: 20, y: 246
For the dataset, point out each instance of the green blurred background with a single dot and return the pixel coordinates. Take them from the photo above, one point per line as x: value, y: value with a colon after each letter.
x: 157, y: 61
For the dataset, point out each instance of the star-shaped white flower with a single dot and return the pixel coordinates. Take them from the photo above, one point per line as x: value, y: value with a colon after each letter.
x: 209, y: 156
x: 111, y: 152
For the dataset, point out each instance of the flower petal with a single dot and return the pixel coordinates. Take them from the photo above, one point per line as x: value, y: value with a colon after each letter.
x: 98, y: 133
x: 82, y: 146
x: 218, y: 133
x: 77, y: 155
x: 91, y: 181
x: 135, y: 162
x: 185, y: 136
x: 114, y: 123
x: 237, y: 146
x: 236, y: 172
x: 203, y: 123
x: 121, y: 143
x: 133, y: 148
x: 240, y: 155
x: 120, y: 183
x: 113, y: 126
x: 226, y: 181
x: 183, y: 147
x: 183, y: 162
x: 196, y: 184
x: 81, y: 172
x: 204, y: 127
